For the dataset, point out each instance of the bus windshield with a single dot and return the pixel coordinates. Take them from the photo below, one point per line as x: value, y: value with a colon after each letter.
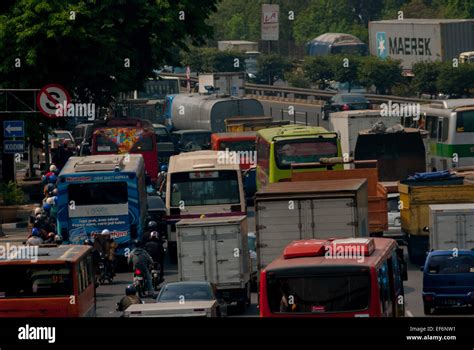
x: 98, y: 193
x: 319, y: 293
x: 123, y: 140
x: 304, y: 151
x: 465, y: 121
x: 236, y: 146
x: 205, y: 188
x: 32, y: 281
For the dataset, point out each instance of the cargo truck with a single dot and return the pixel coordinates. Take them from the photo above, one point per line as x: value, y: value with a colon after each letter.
x: 289, y: 211
x: 417, y: 40
x: 215, y: 250
x: 414, y: 212
x: 451, y: 226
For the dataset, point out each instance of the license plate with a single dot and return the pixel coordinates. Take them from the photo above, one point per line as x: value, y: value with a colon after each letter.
x: 451, y: 302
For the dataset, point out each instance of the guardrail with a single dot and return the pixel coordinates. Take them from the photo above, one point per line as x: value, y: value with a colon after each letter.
x: 304, y: 94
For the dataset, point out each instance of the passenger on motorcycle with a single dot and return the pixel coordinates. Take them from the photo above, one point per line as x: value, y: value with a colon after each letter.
x: 140, y: 259
x: 105, y: 245
x: 154, y: 247
x: 130, y: 298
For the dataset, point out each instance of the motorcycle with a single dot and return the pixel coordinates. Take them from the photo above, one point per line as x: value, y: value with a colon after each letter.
x: 139, y: 282
x: 104, y: 271
x: 155, y: 275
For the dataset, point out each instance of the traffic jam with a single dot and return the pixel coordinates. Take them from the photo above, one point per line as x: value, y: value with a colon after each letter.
x: 199, y: 195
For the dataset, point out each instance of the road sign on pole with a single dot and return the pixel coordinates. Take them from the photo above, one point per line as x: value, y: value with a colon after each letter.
x: 13, y: 146
x: 50, y: 97
x: 14, y: 128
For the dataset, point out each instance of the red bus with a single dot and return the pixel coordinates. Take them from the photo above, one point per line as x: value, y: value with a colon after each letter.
x: 49, y: 282
x: 242, y: 143
x: 121, y: 136
x: 354, y: 277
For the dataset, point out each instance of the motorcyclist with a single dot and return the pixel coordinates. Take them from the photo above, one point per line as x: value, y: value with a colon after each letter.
x: 105, y: 245
x: 35, y: 237
x: 51, y: 175
x: 161, y: 181
x: 130, y: 298
x: 154, y: 247
x: 151, y: 226
x: 140, y: 259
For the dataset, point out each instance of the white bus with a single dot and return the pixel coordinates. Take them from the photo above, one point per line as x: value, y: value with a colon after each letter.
x: 450, y: 124
x: 202, y: 183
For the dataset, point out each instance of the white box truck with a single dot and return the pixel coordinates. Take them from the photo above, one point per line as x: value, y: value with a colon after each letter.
x: 216, y: 250
x: 452, y: 226
x: 348, y: 124
x: 289, y: 211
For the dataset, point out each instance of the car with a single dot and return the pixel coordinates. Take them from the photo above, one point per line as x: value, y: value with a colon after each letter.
x: 448, y: 280
x: 394, y: 220
x: 182, y: 299
x: 345, y: 102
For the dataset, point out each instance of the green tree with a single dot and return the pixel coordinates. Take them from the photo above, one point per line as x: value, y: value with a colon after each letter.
x: 426, y: 75
x: 95, y: 48
x: 209, y: 60
x: 383, y: 74
x: 455, y: 81
x: 346, y: 69
x: 272, y: 67
x: 319, y: 70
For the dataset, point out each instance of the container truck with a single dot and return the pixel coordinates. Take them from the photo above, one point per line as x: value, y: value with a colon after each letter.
x: 289, y: 211
x: 414, y: 212
x: 418, y: 40
x: 451, y: 226
x: 207, y: 112
x: 215, y: 250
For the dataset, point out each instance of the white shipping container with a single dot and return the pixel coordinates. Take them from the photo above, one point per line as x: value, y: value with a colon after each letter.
x: 452, y: 226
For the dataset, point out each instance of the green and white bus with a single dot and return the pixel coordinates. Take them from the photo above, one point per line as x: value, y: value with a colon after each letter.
x: 450, y: 124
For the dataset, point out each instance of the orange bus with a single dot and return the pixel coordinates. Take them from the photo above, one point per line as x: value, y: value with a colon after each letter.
x: 54, y: 281
x: 354, y: 277
x: 242, y: 143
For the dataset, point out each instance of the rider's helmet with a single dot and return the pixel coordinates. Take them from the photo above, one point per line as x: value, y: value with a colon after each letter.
x: 105, y: 232
x: 130, y: 290
x: 35, y: 232
x: 50, y: 201
x: 53, y: 168
x: 152, y: 225
x: 164, y: 167
x: 154, y: 234
x: 37, y: 211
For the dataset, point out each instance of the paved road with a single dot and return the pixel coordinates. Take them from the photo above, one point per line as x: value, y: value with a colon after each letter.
x: 109, y: 295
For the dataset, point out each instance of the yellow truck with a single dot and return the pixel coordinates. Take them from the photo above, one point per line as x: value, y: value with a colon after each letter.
x: 415, y: 212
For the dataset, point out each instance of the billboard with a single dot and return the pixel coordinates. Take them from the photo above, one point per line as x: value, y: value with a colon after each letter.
x: 270, y: 25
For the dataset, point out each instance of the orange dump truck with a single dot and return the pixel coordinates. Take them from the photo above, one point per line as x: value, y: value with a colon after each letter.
x: 377, y: 193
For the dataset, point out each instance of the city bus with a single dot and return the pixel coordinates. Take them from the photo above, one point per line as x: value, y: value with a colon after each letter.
x: 450, y: 124
x: 241, y: 144
x: 122, y: 138
x: 202, y: 183
x: 355, y: 277
x: 58, y: 282
x: 279, y: 148
x: 102, y: 192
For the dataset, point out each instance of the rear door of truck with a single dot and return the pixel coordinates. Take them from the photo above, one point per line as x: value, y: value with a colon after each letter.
x: 468, y: 231
x: 225, y: 254
x: 335, y: 217
x: 278, y: 225
x: 192, y: 254
x: 446, y: 235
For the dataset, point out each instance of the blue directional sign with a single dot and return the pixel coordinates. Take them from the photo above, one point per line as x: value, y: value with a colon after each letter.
x: 13, y: 146
x: 14, y: 128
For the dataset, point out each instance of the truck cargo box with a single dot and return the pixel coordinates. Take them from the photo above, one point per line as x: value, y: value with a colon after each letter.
x: 289, y: 211
x: 215, y: 250
x: 452, y: 226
